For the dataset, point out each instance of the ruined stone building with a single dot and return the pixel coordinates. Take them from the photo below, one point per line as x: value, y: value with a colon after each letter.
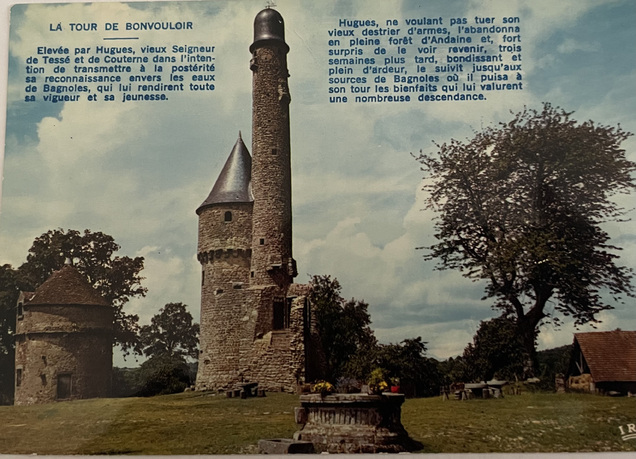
x: 255, y: 322
x: 64, y: 338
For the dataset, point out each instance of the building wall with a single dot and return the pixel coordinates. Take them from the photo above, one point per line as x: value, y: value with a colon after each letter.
x: 217, y: 233
x: 63, y: 340
x: 224, y: 253
x: 271, y: 165
x: 241, y: 345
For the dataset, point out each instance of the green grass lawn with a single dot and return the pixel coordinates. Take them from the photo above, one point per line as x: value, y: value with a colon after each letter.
x: 195, y: 423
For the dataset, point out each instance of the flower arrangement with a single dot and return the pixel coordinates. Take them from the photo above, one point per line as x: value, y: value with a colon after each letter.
x: 377, y: 381
x: 323, y: 388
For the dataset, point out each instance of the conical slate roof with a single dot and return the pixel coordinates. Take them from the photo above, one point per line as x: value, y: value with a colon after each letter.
x: 233, y: 184
x: 67, y: 286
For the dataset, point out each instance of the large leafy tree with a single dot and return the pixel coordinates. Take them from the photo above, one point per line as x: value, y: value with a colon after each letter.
x: 521, y: 206
x: 496, y: 351
x: 171, y: 333
x: 418, y: 374
x: 9, y: 291
x: 344, y: 326
x: 116, y: 278
x: 171, y: 337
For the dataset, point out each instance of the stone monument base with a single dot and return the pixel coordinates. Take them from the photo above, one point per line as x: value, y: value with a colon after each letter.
x: 353, y: 423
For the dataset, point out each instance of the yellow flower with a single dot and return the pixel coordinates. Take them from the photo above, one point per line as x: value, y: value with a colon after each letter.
x: 323, y: 387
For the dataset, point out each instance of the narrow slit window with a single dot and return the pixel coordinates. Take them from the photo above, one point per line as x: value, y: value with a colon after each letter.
x: 228, y: 216
x: 279, y: 315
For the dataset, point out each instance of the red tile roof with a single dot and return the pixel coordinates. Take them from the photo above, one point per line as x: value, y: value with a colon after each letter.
x: 611, y: 356
x: 67, y: 286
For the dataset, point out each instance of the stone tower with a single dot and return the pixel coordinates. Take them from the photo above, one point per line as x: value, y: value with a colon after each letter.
x: 272, y: 260
x: 64, y: 339
x: 255, y: 323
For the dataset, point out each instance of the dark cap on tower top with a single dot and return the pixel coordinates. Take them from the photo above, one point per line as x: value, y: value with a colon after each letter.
x: 269, y: 27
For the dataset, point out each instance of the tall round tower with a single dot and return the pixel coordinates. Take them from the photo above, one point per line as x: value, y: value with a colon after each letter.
x: 225, y: 237
x: 272, y: 261
x: 64, y: 341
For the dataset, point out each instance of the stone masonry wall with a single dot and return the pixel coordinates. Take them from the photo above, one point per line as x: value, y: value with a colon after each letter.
x: 243, y: 347
x: 66, y: 318
x: 278, y: 357
x: 216, y: 233
x: 224, y: 313
x: 271, y: 163
x: 42, y: 357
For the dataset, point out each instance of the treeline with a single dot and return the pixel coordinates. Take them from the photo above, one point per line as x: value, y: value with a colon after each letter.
x: 354, y: 357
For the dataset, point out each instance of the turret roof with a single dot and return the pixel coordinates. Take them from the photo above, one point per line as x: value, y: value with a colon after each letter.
x: 233, y: 184
x: 269, y: 27
x: 67, y: 286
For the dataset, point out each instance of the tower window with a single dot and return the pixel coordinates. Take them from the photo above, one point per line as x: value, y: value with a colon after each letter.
x: 262, y: 241
x: 18, y: 377
x: 274, y: 151
x: 279, y: 315
x: 228, y: 216
x: 20, y: 311
x: 202, y: 277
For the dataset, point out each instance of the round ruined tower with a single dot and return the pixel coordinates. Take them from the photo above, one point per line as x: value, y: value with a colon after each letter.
x: 224, y: 248
x: 64, y: 341
x: 272, y: 261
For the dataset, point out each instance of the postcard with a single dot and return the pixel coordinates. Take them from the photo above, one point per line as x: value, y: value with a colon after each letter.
x: 278, y: 211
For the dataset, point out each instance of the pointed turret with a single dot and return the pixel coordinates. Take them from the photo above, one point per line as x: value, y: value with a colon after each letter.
x: 233, y: 184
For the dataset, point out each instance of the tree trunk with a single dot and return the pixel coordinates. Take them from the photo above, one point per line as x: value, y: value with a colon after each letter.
x: 527, y: 327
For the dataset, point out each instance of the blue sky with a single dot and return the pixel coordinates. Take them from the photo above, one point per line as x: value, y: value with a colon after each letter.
x: 139, y: 171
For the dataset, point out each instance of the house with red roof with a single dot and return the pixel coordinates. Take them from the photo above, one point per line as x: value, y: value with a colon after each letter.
x: 604, y: 362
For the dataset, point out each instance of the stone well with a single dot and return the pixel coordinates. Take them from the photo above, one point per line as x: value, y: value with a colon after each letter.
x: 353, y: 423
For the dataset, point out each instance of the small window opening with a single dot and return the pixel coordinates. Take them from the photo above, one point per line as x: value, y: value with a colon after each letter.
x: 202, y: 277
x: 20, y: 311
x: 228, y: 216
x: 252, y: 274
x: 43, y: 378
x: 18, y: 377
x: 274, y: 151
x: 262, y: 241
x: 279, y: 315
x: 63, y: 386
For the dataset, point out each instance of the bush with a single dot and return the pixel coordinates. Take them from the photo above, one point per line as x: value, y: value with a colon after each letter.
x: 163, y: 375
